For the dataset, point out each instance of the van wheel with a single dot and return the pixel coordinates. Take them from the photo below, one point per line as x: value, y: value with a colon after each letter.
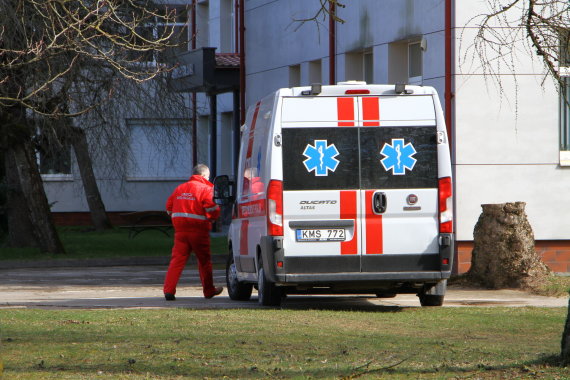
x: 268, y: 294
x: 434, y: 295
x: 237, y: 290
x: 385, y: 295
x: 431, y: 300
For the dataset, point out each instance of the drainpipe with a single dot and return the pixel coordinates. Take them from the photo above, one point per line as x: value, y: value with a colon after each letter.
x: 332, y: 44
x: 448, y: 68
x: 449, y: 113
x: 236, y: 26
x: 242, y: 59
x: 194, y: 95
x: 236, y: 95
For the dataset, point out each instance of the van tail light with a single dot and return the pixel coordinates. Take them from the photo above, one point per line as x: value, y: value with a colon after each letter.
x: 445, y: 205
x: 275, y: 208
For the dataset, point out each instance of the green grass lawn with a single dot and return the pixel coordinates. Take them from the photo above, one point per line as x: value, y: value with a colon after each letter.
x: 84, y: 243
x: 411, y: 343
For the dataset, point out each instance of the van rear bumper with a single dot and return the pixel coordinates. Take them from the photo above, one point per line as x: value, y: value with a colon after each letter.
x: 322, y: 278
x: 285, y: 270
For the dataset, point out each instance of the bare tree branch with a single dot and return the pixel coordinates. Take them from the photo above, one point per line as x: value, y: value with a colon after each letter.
x: 542, y: 27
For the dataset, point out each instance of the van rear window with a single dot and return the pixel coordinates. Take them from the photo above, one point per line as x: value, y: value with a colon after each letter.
x: 320, y: 158
x: 342, y: 158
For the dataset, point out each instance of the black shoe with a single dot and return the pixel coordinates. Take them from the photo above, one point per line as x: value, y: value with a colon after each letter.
x: 217, y: 291
x: 169, y: 297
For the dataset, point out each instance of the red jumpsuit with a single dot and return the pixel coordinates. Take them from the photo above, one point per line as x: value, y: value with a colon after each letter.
x: 192, y: 208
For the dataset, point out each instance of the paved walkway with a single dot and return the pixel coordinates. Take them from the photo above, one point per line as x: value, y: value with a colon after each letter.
x: 141, y: 287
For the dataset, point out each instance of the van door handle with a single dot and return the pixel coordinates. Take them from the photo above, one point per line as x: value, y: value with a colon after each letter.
x: 379, y: 202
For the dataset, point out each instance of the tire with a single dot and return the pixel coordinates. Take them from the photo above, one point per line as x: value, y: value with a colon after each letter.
x: 385, y: 295
x: 268, y: 293
x: 238, y: 291
x: 431, y: 300
x: 434, y: 295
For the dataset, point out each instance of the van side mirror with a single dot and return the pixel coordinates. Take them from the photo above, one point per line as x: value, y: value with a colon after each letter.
x: 223, y: 190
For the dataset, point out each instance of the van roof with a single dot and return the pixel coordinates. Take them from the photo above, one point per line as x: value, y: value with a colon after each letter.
x: 352, y: 88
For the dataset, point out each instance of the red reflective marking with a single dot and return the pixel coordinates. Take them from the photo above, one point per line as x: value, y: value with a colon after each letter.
x: 251, y: 209
x: 345, y: 111
x: 374, y: 243
x: 243, y: 237
x: 348, y: 211
x: 252, y: 130
x: 371, y: 111
x: 357, y: 92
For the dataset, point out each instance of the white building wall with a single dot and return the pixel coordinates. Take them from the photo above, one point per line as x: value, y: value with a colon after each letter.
x: 507, y: 144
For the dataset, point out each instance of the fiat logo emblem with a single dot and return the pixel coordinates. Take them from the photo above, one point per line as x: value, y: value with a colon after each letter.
x: 412, y: 199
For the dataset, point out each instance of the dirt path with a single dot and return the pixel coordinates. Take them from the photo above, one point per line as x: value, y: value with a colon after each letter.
x: 141, y: 287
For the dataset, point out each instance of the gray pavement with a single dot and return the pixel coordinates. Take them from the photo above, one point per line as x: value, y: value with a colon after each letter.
x: 140, y: 286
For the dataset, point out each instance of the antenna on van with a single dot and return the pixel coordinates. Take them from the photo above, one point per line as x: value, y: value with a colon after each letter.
x: 400, y: 88
x: 316, y: 88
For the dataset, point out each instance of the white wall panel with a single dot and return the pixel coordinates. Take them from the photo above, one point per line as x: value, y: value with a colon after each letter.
x: 519, y: 128
x: 544, y: 188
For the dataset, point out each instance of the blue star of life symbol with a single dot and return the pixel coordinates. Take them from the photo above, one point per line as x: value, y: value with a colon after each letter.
x: 398, y: 157
x: 321, y: 158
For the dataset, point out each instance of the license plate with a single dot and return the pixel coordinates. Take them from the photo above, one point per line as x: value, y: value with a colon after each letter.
x: 321, y: 234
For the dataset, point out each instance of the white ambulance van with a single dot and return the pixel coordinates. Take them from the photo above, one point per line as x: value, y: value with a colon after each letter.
x: 342, y: 189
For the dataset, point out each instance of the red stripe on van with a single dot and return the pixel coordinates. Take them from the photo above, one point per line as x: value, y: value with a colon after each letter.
x: 348, y: 211
x: 345, y: 112
x: 374, y: 243
x: 243, y: 237
x: 252, y: 130
x: 371, y: 111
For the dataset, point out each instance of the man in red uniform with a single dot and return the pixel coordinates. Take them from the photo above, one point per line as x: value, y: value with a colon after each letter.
x: 192, y: 209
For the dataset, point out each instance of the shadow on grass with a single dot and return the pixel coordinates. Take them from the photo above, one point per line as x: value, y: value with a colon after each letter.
x: 337, y: 303
x: 545, y: 367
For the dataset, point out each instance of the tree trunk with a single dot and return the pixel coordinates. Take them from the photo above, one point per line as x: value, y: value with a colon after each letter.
x: 20, y: 230
x: 96, y: 206
x: 503, y: 252
x: 36, y: 200
x: 565, y: 355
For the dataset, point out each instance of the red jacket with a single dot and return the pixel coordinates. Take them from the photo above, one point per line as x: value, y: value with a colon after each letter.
x: 191, y: 205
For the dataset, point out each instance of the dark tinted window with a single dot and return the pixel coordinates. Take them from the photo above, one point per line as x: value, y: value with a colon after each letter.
x: 320, y: 158
x: 398, y: 157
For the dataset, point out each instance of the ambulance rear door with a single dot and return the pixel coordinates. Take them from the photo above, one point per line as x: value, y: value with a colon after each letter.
x: 320, y: 186
x: 399, y: 184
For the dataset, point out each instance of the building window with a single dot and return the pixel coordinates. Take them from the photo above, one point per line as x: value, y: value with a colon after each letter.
x: 204, y: 140
x: 202, y: 25
x: 157, y: 29
x: 368, y: 66
x: 405, y: 62
x: 227, y: 31
x: 54, y: 158
x: 360, y: 66
x: 415, y: 73
x: 161, y: 149
x: 294, y: 76
x: 226, y: 162
x: 565, y: 115
x: 564, y: 71
x: 315, y: 72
